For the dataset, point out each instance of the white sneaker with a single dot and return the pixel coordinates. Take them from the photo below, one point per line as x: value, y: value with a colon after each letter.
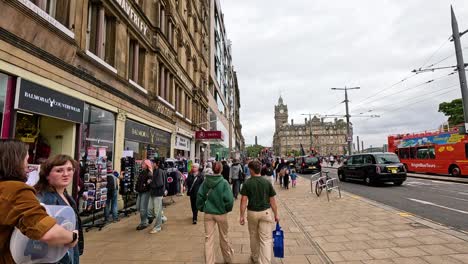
x: 155, y: 230
x: 164, y: 219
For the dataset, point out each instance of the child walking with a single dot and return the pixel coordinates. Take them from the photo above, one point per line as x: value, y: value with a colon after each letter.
x: 293, y: 178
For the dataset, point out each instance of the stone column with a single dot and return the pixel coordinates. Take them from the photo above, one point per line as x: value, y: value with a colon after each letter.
x: 119, y: 145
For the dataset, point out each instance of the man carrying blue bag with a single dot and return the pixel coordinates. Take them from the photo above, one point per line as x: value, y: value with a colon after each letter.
x: 260, y: 194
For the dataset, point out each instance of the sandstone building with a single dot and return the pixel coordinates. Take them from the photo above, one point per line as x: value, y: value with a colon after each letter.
x: 327, y: 137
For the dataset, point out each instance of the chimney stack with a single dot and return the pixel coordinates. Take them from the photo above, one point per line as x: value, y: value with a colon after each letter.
x: 292, y: 122
x: 256, y: 141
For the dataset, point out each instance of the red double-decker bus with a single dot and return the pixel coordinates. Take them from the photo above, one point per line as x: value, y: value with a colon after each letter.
x: 432, y: 152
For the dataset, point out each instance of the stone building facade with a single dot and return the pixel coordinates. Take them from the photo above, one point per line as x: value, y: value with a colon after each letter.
x: 327, y: 137
x: 135, y: 75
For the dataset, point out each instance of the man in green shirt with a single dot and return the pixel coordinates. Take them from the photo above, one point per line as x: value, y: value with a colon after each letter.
x: 260, y: 194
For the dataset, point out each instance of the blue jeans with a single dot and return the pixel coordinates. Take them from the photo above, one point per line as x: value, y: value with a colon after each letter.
x: 142, y: 206
x: 156, y: 202
x: 111, y: 203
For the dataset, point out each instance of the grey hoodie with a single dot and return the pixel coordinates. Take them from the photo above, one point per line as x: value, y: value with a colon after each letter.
x: 234, y: 171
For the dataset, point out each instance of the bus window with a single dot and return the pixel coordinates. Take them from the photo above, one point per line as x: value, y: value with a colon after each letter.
x: 466, y: 150
x: 404, y: 153
x: 423, y: 153
x: 413, y: 153
x: 431, y: 151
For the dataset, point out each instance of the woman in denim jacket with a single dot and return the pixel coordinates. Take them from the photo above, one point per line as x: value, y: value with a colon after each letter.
x: 55, y: 176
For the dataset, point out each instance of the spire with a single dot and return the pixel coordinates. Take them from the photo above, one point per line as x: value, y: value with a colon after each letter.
x: 280, y: 100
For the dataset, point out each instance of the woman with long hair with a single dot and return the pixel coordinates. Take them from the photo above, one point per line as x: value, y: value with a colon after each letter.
x: 143, y: 189
x: 19, y: 200
x: 55, y: 176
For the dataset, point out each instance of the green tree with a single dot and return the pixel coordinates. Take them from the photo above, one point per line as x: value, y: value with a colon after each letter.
x: 454, y: 110
x: 253, y: 151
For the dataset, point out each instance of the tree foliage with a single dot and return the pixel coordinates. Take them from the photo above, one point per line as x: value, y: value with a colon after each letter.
x: 454, y: 110
x: 253, y: 151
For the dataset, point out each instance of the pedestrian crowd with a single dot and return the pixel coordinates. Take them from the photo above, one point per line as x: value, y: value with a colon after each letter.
x: 211, y: 186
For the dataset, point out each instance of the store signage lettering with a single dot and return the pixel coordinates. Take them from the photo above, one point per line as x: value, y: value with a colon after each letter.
x: 209, y: 135
x: 182, y: 143
x: 164, y: 110
x: 38, y: 99
x: 138, y: 132
x: 133, y: 16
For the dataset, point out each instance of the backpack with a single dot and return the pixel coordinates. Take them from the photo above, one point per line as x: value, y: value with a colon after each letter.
x: 241, y: 174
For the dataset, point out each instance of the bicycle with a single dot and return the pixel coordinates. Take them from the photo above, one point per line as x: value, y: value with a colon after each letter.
x: 322, y: 184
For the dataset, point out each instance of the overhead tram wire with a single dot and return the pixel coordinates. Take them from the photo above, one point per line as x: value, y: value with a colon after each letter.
x: 406, y: 89
x: 411, y: 76
x: 420, y: 101
x: 385, y: 107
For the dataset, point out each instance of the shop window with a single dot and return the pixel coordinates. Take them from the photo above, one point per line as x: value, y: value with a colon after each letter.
x: 136, y: 62
x: 58, y: 9
x: 98, y: 130
x: 101, y: 34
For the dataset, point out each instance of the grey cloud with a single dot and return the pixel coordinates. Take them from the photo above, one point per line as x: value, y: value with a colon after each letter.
x: 303, y: 47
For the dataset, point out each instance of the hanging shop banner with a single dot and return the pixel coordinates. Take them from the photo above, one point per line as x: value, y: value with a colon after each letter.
x: 182, y: 143
x: 145, y: 134
x: 41, y: 100
x: 212, y: 135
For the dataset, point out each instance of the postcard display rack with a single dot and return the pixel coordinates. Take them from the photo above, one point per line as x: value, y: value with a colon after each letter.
x: 95, y: 182
x: 127, y: 184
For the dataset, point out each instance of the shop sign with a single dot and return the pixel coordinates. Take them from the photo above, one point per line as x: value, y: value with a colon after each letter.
x: 213, y: 134
x: 138, y: 132
x: 182, y: 143
x: 41, y: 100
x: 133, y: 16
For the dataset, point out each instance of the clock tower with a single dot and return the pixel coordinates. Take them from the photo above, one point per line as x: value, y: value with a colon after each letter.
x: 281, y: 114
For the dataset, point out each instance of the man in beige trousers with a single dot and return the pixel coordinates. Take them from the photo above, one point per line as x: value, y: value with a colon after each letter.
x: 260, y: 194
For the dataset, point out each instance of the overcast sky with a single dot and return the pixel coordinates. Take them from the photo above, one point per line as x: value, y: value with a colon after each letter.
x: 302, y: 48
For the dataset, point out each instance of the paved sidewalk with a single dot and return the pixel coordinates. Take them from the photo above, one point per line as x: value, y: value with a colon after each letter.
x: 347, y: 230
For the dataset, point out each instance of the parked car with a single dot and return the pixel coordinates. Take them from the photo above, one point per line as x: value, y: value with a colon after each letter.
x: 308, y: 164
x: 373, y: 168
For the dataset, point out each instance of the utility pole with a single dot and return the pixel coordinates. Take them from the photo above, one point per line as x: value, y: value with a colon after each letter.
x: 460, y: 66
x: 310, y: 129
x: 349, y: 137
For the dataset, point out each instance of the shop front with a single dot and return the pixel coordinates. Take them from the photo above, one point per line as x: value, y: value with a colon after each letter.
x: 47, y: 120
x: 217, y: 145
x: 145, y: 142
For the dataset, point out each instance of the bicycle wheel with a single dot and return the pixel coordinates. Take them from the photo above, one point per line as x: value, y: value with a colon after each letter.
x: 318, y: 188
x: 330, y: 185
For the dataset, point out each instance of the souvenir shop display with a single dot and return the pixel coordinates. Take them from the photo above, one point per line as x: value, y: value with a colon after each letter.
x: 127, y: 183
x: 95, y: 183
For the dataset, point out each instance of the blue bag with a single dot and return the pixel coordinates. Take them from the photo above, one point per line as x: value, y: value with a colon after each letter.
x: 278, y: 242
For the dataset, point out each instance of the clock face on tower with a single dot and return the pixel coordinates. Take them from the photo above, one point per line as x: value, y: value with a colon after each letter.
x: 281, y: 111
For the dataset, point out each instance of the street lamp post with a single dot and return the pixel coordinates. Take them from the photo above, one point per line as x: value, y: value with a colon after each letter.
x: 349, y: 137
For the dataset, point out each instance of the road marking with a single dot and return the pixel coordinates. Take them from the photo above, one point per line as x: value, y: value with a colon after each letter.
x: 463, y: 193
x: 355, y: 196
x: 405, y: 214
x: 451, y: 197
x: 437, y: 205
x: 443, y: 182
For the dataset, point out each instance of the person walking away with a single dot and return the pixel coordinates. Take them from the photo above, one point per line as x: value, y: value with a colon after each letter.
x: 293, y: 178
x: 287, y: 171
x: 235, y: 175
x: 111, y: 202
x: 143, y: 189
x: 258, y: 197
x: 277, y: 168
x: 332, y: 160
x: 208, y: 169
x: 246, y: 169
x: 19, y: 206
x: 215, y: 199
x: 157, y: 189
x: 226, y: 171
x: 194, y: 180
x: 55, y: 176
